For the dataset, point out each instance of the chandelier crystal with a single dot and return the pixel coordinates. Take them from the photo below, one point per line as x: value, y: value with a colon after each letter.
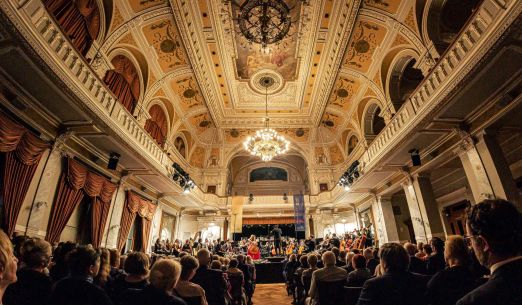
x: 266, y: 143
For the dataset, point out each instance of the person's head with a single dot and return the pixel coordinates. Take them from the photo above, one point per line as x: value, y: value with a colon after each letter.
x: 329, y: 258
x: 349, y: 258
x: 164, y: 274
x: 241, y: 258
x: 303, y: 260
x: 8, y: 262
x: 410, y: 248
x: 394, y: 258
x: 233, y: 263
x: 84, y: 261
x: 115, y: 258
x: 427, y: 249
x: 249, y: 260
x: 216, y: 265
x: 368, y: 253
x: 292, y: 258
x: 137, y: 263
x: 358, y: 261
x: 356, y: 251
x: 276, y: 226
x: 437, y: 245
x: 342, y: 255
x: 203, y: 256
x: 495, y: 230
x: 36, y: 254
x: 336, y: 252
x: 456, y: 251
x: 420, y: 246
x: 189, y: 265
x: 312, y: 260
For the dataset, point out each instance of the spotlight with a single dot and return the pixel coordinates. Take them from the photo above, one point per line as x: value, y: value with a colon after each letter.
x: 182, y: 183
x: 113, y: 160
x: 186, y: 190
x: 415, y: 157
x: 175, y: 177
x: 347, y: 187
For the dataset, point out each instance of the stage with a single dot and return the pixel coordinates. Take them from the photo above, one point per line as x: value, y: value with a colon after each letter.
x: 269, y: 272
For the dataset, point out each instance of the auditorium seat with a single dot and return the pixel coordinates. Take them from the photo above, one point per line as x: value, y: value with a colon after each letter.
x: 351, y: 295
x: 331, y: 292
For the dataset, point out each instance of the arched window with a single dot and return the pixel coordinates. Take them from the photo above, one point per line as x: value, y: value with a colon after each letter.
x: 352, y: 143
x: 378, y: 123
x: 156, y: 126
x: 404, y: 80
x: 79, y: 20
x: 373, y: 122
x: 179, y: 143
x: 446, y: 18
x: 124, y: 82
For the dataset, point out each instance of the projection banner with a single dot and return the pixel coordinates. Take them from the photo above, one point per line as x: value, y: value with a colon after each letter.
x: 299, y: 212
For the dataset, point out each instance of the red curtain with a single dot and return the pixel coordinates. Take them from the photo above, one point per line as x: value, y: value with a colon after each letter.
x: 79, y: 20
x: 23, y: 153
x: 156, y: 126
x: 76, y: 181
x: 124, y: 82
x: 136, y: 205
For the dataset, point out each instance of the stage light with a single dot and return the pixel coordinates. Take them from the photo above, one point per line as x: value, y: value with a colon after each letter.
x: 182, y: 183
x: 347, y: 187
x: 186, y: 190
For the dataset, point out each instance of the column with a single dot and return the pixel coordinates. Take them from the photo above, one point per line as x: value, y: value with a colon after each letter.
x: 414, y: 209
x: 385, y: 226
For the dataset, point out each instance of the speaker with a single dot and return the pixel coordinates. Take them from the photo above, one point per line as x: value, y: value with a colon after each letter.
x: 415, y: 157
x: 113, y: 160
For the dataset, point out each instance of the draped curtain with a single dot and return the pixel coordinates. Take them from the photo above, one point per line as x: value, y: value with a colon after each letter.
x: 79, y: 20
x: 156, y: 126
x: 23, y: 153
x: 76, y: 182
x: 136, y: 205
x: 124, y: 82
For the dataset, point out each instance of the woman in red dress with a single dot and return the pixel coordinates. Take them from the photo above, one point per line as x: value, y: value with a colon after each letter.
x: 253, y: 251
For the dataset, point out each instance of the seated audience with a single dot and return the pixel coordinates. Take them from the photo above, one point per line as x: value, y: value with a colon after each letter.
x: 357, y: 277
x: 103, y: 275
x: 372, y: 259
x: 34, y: 285
x: 348, y: 266
x: 78, y: 288
x: 420, y: 250
x: 247, y: 276
x: 303, y: 265
x: 436, y: 261
x: 396, y: 285
x: 186, y: 289
x: 307, y: 274
x: 330, y: 273
x: 216, y: 265
x: 164, y: 276
x: 449, y: 285
x: 59, y: 267
x: 416, y: 264
x: 115, y: 259
x: 337, y: 253
x: 212, y: 281
x: 8, y: 264
x: 237, y: 280
x: 135, y: 277
x: 494, y: 228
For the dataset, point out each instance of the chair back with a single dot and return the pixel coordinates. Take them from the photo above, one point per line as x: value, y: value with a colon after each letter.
x: 236, y: 282
x: 192, y: 300
x: 331, y: 292
x: 351, y: 295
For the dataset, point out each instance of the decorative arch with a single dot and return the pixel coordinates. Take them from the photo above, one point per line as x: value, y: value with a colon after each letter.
x: 351, y: 143
x: 80, y: 21
x: 157, y: 124
x: 124, y: 81
x: 181, y: 145
x: 402, y: 79
x: 372, y: 121
x: 168, y: 108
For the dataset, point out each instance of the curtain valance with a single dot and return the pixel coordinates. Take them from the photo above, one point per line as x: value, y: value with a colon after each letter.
x: 141, y: 206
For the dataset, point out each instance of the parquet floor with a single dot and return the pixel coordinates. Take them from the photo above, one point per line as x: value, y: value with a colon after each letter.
x: 271, y: 294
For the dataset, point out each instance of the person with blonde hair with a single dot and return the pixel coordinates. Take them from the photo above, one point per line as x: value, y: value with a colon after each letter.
x: 455, y: 281
x: 8, y: 263
x: 34, y: 285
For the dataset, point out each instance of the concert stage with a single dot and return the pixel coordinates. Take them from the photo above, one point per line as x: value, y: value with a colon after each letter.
x: 271, y: 272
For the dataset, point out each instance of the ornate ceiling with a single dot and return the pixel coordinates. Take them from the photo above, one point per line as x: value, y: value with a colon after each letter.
x: 334, y: 63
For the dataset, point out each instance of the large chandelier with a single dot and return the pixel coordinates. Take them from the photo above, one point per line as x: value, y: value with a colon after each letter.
x: 266, y: 143
x: 264, y: 21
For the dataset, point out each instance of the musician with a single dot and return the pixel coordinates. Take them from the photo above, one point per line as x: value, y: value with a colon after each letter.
x: 276, y: 233
x: 253, y: 251
x: 310, y: 244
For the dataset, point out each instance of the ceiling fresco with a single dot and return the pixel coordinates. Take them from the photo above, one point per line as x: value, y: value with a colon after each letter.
x: 325, y: 70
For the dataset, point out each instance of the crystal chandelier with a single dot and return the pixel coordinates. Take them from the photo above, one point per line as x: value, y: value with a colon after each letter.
x: 266, y: 143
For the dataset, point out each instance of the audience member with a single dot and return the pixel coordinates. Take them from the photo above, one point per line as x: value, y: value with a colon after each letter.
x: 212, y: 281
x: 186, y: 289
x: 397, y: 285
x: 34, y: 285
x: 8, y: 264
x: 330, y: 273
x: 59, y: 267
x: 247, y: 276
x: 348, y: 266
x: 416, y: 264
x: 78, y: 288
x: 103, y: 275
x: 436, y: 261
x: 135, y: 277
x: 449, y: 285
x: 115, y: 260
x: 312, y: 263
x: 358, y: 277
x: 494, y: 228
x: 216, y: 265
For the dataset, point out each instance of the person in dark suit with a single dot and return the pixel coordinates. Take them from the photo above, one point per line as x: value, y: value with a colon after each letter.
x: 310, y: 244
x: 357, y: 277
x: 436, y: 260
x: 397, y: 285
x: 78, y: 288
x: 449, y: 285
x: 416, y: 264
x: 494, y: 228
x: 247, y: 276
x: 335, y: 241
x: 211, y: 280
x: 372, y: 259
x: 276, y: 233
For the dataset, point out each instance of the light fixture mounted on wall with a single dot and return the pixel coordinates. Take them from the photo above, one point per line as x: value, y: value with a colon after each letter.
x: 349, y: 176
x: 183, y: 178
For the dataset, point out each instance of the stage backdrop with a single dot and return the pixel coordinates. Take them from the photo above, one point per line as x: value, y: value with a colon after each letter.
x: 299, y: 212
x: 237, y: 214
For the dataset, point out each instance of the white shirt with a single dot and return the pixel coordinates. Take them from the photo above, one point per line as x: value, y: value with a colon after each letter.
x: 502, y: 263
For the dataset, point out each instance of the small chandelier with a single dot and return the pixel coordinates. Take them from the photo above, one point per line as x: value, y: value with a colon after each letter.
x: 264, y: 21
x: 266, y: 143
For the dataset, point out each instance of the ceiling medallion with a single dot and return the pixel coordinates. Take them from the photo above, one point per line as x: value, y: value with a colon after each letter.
x: 299, y: 132
x: 264, y: 21
x: 266, y: 143
x: 342, y: 93
x: 167, y: 46
x: 189, y: 93
x: 204, y: 123
x: 234, y: 133
x: 266, y: 81
x: 362, y: 46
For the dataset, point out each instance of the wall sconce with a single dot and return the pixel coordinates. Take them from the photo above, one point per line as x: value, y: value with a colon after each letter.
x: 40, y: 204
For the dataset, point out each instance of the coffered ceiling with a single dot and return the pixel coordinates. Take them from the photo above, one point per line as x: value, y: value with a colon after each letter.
x: 198, y: 66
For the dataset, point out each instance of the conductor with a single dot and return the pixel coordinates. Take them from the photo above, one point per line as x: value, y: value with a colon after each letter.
x: 276, y: 232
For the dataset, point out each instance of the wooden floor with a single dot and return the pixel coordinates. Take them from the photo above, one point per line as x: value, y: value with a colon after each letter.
x: 271, y: 294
